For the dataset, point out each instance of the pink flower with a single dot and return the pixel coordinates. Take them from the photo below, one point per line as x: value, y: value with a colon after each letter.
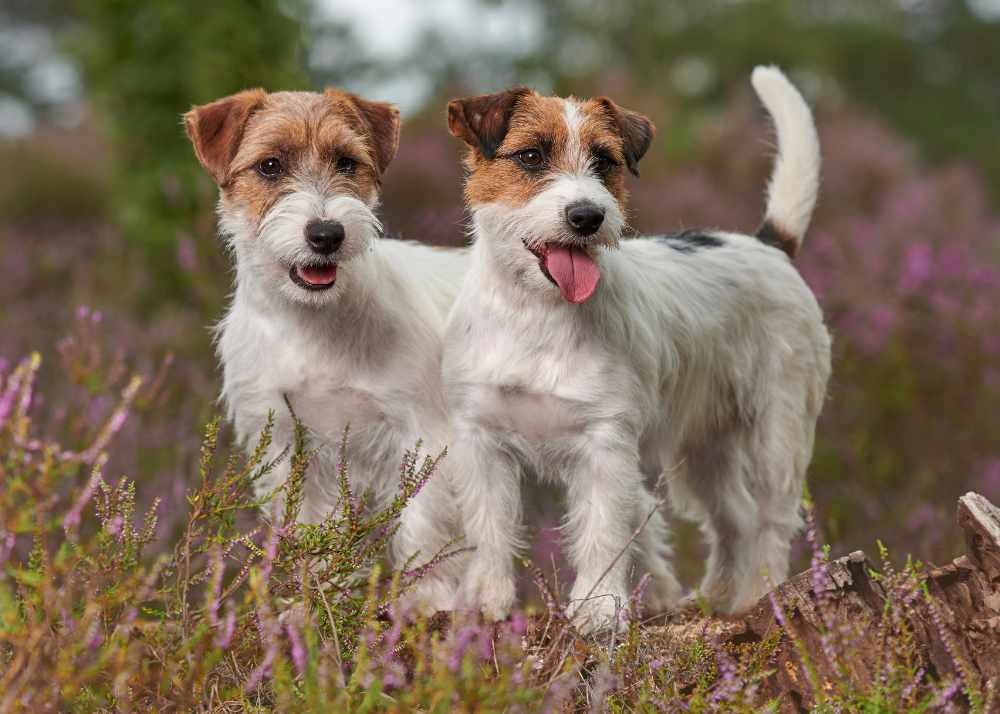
x: 298, y: 649
x: 916, y: 267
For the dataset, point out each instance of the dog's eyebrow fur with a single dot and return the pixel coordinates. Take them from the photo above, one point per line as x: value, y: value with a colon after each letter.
x: 602, y: 149
x: 690, y: 241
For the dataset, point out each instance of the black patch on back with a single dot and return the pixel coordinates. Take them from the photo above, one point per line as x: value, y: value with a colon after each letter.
x: 691, y: 241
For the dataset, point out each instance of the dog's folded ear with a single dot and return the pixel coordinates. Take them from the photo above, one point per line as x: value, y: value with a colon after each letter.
x: 482, y: 121
x: 216, y: 130
x: 636, y: 129
x: 382, y: 124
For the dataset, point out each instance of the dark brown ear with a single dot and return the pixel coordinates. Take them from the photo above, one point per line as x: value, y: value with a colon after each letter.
x: 482, y: 122
x: 382, y: 120
x: 636, y: 129
x: 216, y: 130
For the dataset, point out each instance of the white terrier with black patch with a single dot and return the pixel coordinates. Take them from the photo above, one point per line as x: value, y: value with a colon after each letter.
x: 607, y: 364
x: 346, y: 324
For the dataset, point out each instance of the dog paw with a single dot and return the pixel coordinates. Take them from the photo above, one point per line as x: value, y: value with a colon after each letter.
x: 728, y: 597
x: 492, y: 593
x: 598, y: 613
x: 695, y: 600
x: 430, y: 595
x: 663, y: 594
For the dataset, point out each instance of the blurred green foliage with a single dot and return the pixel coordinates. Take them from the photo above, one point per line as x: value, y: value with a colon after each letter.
x: 79, y: 194
x: 144, y: 64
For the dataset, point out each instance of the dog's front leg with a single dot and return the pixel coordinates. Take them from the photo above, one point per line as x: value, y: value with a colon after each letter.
x: 603, y: 491
x: 488, y: 485
x: 423, y: 536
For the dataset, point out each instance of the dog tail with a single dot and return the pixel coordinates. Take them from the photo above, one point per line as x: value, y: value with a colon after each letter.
x: 791, y: 193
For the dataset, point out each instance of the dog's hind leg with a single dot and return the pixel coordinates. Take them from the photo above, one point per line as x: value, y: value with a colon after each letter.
x: 656, y: 556
x: 745, y: 489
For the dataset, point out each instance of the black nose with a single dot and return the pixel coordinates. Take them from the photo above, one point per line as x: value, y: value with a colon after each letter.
x: 584, y: 217
x: 324, y: 237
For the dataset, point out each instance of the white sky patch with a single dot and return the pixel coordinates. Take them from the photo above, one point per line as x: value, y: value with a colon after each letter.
x: 391, y: 30
x: 986, y: 9
x: 15, y: 118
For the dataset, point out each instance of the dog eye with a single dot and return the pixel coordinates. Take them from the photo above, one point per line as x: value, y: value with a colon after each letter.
x: 530, y: 158
x: 346, y: 165
x: 603, y: 164
x: 270, y: 167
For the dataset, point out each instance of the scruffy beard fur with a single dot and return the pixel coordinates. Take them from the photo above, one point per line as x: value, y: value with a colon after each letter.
x: 362, y: 351
x: 266, y: 251
x: 694, y: 372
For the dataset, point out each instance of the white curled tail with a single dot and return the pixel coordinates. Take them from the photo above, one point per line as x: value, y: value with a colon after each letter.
x: 791, y: 193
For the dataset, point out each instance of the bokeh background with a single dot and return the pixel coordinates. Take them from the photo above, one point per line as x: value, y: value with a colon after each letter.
x: 109, y: 263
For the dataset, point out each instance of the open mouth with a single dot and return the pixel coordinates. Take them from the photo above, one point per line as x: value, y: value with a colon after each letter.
x: 319, y: 276
x: 571, y: 268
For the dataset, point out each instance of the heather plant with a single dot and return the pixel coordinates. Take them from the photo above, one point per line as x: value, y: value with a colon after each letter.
x: 278, y: 613
x: 244, y: 610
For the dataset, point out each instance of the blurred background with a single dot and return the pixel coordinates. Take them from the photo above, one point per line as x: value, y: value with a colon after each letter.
x: 110, y: 264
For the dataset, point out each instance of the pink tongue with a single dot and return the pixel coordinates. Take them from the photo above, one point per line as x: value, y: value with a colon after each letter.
x: 318, y: 274
x: 574, y: 271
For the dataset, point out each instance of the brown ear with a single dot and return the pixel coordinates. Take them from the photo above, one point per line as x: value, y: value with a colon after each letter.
x: 216, y: 130
x: 382, y: 123
x: 482, y: 122
x: 636, y: 129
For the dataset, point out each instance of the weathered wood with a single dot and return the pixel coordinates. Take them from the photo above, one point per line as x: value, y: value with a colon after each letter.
x: 980, y: 520
x: 959, y: 629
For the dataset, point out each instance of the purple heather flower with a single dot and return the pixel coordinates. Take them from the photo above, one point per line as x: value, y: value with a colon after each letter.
x: 6, y: 547
x: 224, y: 636
x: 485, y: 643
x: 459, y: 645
x: 779, y: 614
x: 946, y: 694
x: 518, y: 623
x: 298, y: 649
x: 95, y: 638
x: 71, y: 521
x: 187, y: 254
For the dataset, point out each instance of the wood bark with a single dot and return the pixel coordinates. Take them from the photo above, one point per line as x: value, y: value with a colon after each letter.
x: 956, y: 628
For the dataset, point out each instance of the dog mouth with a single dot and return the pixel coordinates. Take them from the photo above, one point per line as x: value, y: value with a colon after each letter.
x: 314, y: 276
x: 570, y: 268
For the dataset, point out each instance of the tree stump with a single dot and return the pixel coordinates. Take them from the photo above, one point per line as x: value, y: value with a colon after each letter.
x: 956, y: 629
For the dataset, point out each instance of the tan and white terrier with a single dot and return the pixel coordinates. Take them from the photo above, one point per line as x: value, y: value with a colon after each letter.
x: 611, y: 364
x: 346, y: 324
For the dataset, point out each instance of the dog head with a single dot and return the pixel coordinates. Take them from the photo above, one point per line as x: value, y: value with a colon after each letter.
x: 299, y: 175
x: 546, y: 181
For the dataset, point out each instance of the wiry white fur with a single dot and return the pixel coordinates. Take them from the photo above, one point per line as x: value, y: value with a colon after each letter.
x: 701, y: 367
x: 366, y: 353
x: 791, y: 194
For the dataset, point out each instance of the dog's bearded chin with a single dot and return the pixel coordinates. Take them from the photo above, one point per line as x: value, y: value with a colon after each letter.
x: 571, y: 268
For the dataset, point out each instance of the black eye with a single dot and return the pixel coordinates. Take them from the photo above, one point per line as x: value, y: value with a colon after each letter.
x: 603, y: 164
x: 530, y: 158
x: 270, y: 167
x: 346, y: 165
